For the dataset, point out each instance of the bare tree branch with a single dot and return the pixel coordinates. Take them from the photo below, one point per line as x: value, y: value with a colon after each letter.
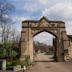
x: 5, y: 21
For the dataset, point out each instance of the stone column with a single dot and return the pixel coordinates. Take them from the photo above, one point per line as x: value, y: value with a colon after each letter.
x: 30, y: 45
x: 60, y: 51
x: 24, y: 43
x: 70, y: 50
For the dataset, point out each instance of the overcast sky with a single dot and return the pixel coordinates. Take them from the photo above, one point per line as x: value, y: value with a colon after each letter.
x: 35, y: 9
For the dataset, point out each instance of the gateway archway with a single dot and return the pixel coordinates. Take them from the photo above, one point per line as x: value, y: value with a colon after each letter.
x: 31, y: 27
x: 44, y: 47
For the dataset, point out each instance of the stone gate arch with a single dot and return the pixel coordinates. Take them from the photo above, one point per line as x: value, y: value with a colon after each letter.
x: 54, y: 46
x: 43, y: 30
x: 31, y: 27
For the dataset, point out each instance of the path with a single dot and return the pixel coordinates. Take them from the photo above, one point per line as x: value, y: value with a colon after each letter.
x: 51, y: 67
x: 42, y: 57
x: 43, y: 65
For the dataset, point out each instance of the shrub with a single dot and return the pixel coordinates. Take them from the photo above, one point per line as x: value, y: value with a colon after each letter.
x: 26, y: 61
x: 13, y: 63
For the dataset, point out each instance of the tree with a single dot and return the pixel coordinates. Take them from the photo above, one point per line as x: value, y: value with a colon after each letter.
x: 5, y: 20
x: 6, y: 25
x: 15, y: 35
x: 8, y: 33
x: 7, y: 51
x: 43, y: 47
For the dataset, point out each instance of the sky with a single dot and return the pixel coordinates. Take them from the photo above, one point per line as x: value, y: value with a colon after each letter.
x: 44, y: 37
x: 35, y: 9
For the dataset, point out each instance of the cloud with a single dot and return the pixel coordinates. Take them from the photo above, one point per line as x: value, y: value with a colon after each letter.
x: 60, y: 11
x: 44, y: 2
x: 18, y: 21
x: 44, y: 37
x: 29, y: 7
x: 63, y: 10
x: 18, y: 18
x: 69, y: 27
x: 33, y: 6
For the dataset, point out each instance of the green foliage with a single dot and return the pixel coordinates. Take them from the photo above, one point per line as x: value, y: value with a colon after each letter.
x: 11, y: 64
x: 6, y: 50
x: 26, y: 61
x: 13, y: 54
x: 43, y: 48
x: 15, y: 62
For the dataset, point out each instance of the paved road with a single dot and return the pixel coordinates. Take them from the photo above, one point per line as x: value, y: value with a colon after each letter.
x: 51, y: 67
x: 45, y: 66
x: 43, y: 57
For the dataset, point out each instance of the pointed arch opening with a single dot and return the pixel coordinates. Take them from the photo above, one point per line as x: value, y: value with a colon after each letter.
x: 44, y: 45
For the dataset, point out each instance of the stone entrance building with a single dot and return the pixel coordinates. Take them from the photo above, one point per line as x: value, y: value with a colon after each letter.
x: 30, y: 28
